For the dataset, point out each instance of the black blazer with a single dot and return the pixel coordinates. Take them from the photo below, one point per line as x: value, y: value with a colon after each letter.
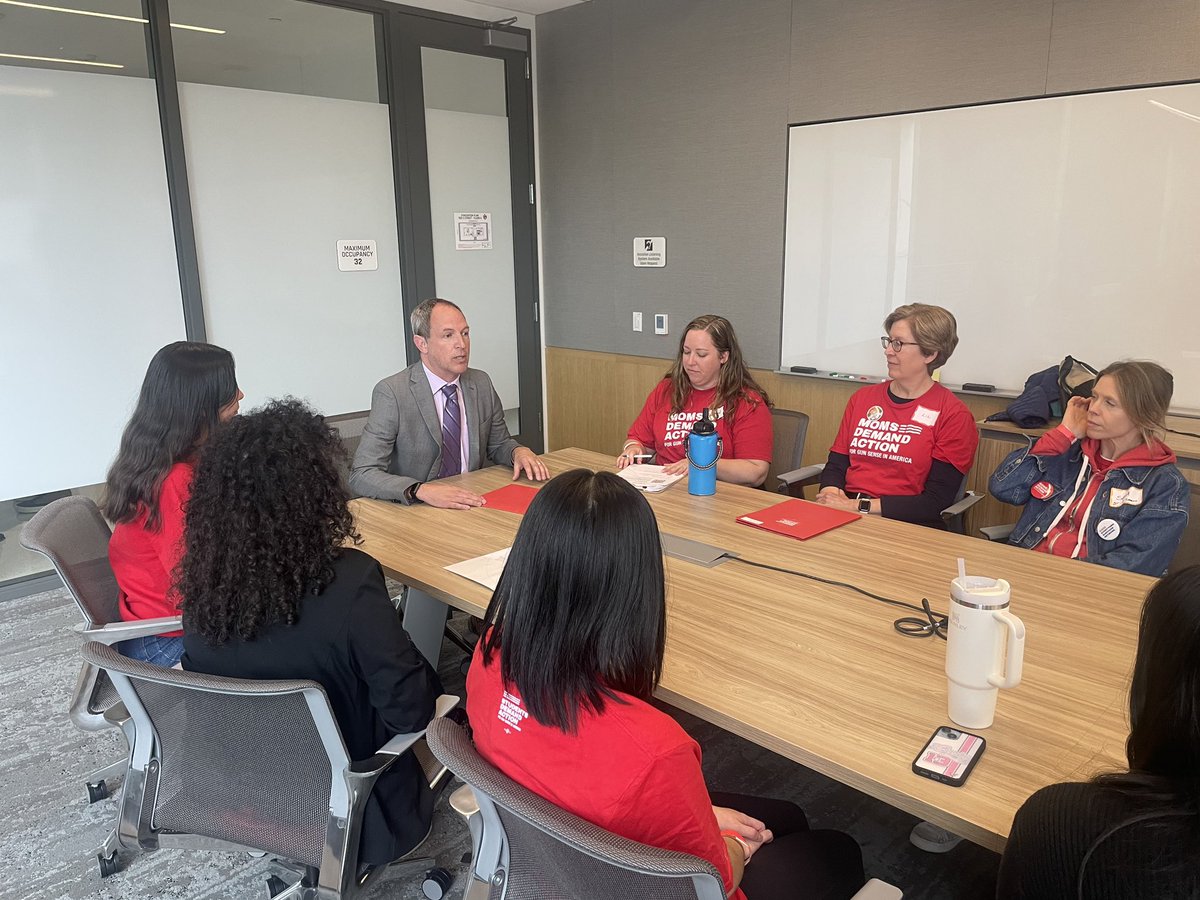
x: 349, y: 639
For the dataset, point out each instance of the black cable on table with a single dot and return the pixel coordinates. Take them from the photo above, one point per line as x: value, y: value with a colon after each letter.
x: 933, y: 623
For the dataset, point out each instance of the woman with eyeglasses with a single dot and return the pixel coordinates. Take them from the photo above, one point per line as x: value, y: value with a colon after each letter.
x: 904, y: 445
x: 560, y: 693
x: 1136, y: 833
x: 1102, y: 486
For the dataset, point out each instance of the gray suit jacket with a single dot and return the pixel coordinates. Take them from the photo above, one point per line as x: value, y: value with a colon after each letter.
x: 402, y: 440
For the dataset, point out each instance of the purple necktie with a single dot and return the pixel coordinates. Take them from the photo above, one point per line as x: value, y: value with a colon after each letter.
x: 451, y: 434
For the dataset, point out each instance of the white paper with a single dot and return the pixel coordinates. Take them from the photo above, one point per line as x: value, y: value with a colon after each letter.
x: 651, y: 479
x: 484, y: 569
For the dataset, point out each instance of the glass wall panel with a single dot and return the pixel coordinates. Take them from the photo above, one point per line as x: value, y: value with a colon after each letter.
x: 289, y: 153
x: 470, y: 200
x: 88, y: 275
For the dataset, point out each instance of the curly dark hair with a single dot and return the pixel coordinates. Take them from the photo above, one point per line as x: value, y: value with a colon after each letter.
x: 266, y: 520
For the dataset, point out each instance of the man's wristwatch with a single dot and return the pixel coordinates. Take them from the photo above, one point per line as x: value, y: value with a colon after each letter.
x: 410, y: 492
x: 864, y: 505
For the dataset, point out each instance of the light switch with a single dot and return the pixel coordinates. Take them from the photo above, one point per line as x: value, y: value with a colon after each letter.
x: 660, y: 323
x: 637, y: 321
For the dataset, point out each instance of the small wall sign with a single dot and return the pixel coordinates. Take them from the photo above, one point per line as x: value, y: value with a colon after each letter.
x: 357, y: 256
x: 649, y: 252
x: 473, y: 231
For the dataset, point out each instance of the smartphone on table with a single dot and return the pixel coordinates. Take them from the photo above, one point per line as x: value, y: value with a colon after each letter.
x: 949, y: 756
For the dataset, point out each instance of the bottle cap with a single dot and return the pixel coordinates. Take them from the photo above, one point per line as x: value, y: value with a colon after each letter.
x: 704, y: 426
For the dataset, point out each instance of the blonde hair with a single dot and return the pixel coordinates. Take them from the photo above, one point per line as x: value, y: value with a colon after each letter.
x: 934, y: 329
x: 1145, y: 390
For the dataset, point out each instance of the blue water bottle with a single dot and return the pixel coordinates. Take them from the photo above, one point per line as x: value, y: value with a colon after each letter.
x: 703, y: 451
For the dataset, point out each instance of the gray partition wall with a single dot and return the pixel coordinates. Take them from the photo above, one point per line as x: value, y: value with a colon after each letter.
x: 669, y: 118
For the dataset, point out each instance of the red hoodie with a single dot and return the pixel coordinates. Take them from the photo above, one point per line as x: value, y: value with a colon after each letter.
x: 1067, y: 534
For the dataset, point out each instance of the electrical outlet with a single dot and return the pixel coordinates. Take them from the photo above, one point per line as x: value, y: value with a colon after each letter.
x: 660, y: 323
x: 637, y: 321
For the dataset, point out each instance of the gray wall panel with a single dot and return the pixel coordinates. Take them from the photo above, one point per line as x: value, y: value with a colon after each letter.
x: 669, y: 118
x: 575, y: 110
x: 856, y: 59
x: 1111, y: 43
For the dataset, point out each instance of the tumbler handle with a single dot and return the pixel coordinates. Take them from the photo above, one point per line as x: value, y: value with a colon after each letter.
x: 1015, y: 655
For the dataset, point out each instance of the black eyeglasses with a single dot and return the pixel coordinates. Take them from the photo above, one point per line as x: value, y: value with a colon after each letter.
x: 896, y: 344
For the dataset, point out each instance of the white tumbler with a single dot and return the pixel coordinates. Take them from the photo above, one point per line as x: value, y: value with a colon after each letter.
x: 977, y: 661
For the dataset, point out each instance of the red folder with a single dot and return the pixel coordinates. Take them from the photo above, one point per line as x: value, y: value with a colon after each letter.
x: 513, y: 498
x: 798, y: 518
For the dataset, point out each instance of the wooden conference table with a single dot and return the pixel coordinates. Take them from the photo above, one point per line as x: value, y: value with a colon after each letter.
x: 817, y: 673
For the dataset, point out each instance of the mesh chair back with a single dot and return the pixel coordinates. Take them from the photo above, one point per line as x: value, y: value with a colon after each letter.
x: 791, y: 430
x: 552, y: 853
x: 74, y: 536
x: 240, y: 761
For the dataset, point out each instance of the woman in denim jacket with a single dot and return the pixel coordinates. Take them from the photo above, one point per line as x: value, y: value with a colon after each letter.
x: 1103, y: 486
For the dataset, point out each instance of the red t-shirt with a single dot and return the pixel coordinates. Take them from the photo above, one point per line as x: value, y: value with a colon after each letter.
x: 745, y: 431
x: 143, y: 560
x: 892, y: 445
x: 631, y: 770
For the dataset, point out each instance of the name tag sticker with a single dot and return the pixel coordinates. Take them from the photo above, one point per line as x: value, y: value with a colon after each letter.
x: 1134, y: 497
x: 1108, y: 529
x: 925, y: 416
x: 1116, y: 497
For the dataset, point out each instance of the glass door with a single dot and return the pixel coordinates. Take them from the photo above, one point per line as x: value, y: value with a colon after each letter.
x: 468, y: 135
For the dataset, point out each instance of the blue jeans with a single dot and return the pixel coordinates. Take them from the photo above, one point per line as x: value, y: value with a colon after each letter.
x: 155, y: 649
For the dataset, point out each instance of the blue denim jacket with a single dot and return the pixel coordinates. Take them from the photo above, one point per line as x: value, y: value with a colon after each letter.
x: 1149, y: 532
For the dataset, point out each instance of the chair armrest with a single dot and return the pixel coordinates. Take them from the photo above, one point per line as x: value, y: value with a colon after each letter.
x: 115, y: 632
x: 996, y: 532
x: 970, y: 498
x: 803, y: 475
x: 401, y: 743
x: 878, y: 890
x: 117, y: 714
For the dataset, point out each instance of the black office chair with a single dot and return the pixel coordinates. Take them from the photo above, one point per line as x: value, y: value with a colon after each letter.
x: 234, y: 764
x: 790, y: 430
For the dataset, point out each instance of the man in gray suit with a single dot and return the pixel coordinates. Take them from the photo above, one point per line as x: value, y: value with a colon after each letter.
x: 417, y: 432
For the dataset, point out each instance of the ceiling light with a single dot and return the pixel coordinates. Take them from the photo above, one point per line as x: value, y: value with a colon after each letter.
x: 103, y: 15
x: 54, y: 59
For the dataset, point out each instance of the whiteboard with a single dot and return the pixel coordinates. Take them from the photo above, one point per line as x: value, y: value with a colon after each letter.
x: 1063, y: 225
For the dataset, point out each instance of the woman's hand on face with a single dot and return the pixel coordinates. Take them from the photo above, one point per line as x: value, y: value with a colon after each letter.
x: 1075, y: 416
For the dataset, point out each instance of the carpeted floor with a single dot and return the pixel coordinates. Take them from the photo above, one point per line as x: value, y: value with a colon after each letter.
x: 52, y: 831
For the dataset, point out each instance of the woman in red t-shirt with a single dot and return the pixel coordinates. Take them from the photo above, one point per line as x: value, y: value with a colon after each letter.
x: 709, y: 373
x: 904, y: 445
x: 559, y: 697
x: 189, y: 389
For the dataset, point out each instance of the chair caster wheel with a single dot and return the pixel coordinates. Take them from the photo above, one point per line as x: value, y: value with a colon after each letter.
x: 108, y: 864
x: 97, y: 791
x: 436, y: 883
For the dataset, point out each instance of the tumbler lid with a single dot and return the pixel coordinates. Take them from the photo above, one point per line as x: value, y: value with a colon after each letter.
x: 704, y: 426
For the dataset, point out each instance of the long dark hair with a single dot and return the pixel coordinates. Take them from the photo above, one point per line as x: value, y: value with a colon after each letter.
x: 1163, y: 779
x: 266, y: 520
x: 734, y: 382
x: 579, y: 612
x: 187, y: 384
